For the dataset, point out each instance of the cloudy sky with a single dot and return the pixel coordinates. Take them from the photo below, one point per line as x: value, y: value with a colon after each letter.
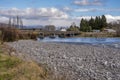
x: 58, y: 12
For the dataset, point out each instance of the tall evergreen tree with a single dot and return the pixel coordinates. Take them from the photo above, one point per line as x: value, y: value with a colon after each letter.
x: 104, y: 22
x: 84, y: 26
x: 92, y: 23
x: 99, y: 23
x: 96, y: 22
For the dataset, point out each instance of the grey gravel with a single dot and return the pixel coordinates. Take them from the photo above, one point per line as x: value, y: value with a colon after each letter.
x: 78, y: 62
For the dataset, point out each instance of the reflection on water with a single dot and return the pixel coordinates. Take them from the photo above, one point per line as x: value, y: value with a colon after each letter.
x: 81, y: 40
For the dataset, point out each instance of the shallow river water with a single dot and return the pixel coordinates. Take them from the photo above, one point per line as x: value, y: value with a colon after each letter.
x: 112, y: 42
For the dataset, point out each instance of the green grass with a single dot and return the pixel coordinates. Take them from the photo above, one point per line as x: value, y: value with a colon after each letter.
x: 7, y: 63
x: 12, y: 68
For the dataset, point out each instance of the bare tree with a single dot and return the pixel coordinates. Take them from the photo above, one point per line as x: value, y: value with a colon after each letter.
x: 15, y: 22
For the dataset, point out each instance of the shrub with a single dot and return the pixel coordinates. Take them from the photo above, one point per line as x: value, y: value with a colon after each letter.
x: 33, y: 35
x: 118, y: 32
x: 9, y: 34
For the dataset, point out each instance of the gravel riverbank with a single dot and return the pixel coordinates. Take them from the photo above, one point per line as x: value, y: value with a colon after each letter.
x: 76, y: 62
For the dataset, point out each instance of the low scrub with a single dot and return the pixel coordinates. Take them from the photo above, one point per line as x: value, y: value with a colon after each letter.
x: 13, y: 68
x: 9, y: 34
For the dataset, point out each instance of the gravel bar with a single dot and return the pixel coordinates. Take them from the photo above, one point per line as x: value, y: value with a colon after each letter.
x: 77, y: 62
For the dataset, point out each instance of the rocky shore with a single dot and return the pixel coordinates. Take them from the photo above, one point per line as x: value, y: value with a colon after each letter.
x: 76, y: 62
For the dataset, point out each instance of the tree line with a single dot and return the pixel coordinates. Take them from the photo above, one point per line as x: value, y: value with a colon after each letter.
x: 99, y: 23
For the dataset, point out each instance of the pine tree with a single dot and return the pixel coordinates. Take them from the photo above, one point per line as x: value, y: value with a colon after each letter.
x: 84, y: 26
x: 104, y: 22
x: 92, y: 23
x: 96, y: 22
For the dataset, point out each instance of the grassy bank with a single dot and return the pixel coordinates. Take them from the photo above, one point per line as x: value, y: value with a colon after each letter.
x: 12, y: 68
x: 95, y: 34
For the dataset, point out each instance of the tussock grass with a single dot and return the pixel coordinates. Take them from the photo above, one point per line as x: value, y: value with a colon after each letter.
x: 12, y: 68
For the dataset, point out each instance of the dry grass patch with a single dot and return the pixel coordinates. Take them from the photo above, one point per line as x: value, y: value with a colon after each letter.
x: 12, y: 68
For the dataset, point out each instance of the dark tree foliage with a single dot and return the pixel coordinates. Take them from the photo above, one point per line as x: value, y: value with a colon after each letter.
x: 92, y: 23
x: 99, y: 23
x: 84, y: 26
x: 103, y: 21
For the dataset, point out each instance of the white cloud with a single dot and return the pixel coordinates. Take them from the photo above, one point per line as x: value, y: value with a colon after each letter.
x: 31, y: 13
x: 81, y: 2
x: 45, y: 16
x: 97, y: 9
x: 88, y: 2
x: 67, y: 9
x: 84, y: 17
x: 84, y: 10
x: 30, y: 22
x: 31, y: 16
x: 3, y: 19
x: 111, y: 18
x: 97, y: 2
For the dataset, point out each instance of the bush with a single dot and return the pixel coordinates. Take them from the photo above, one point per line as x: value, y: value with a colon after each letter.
x: 33, y: 36
x: 118, y: 32
x: 9, y: 34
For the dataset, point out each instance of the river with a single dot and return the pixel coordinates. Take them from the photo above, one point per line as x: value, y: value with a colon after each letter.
x: 112, y: 42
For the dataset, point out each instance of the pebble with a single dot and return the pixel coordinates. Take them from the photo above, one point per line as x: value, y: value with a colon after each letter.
x: 80, y: 62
